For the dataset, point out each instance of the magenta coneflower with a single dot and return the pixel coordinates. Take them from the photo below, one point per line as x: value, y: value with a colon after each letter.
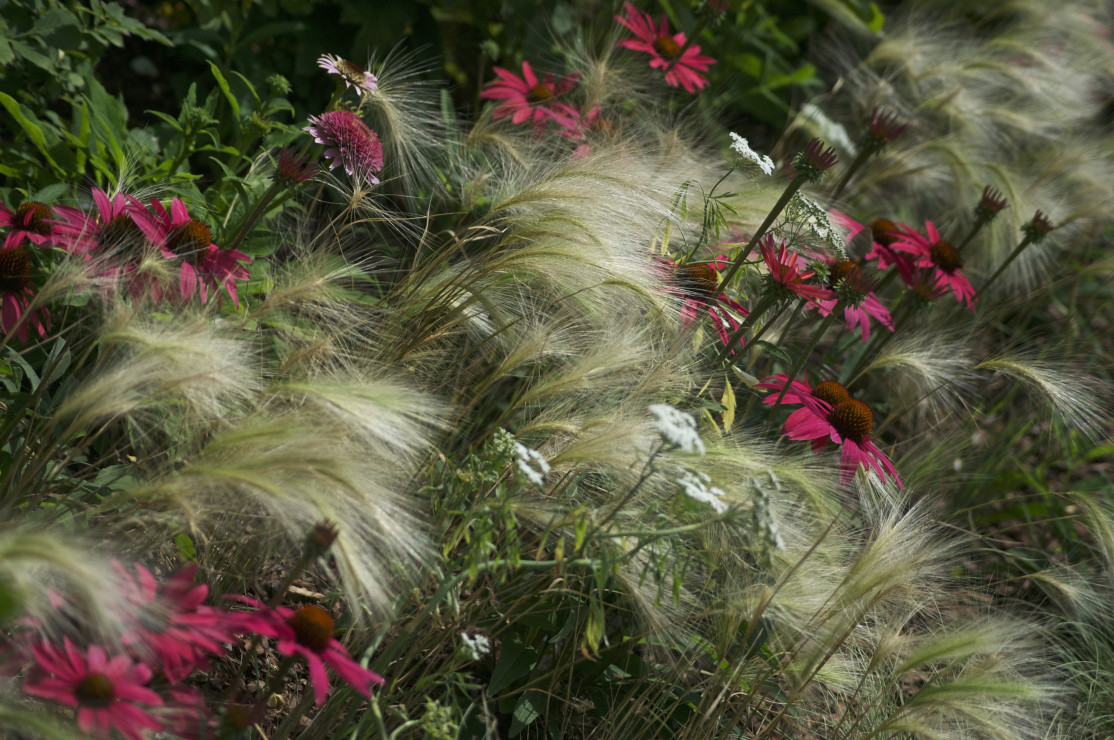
x: 784, y: 274
x: 855, y: 313
x: 830, y: 414
x: 698, y: 284
x: 684, y: 69
x: 527, y: 98
x: 16, y: 295
x: 173, y: 622
x: 939, y: 255
x: 349, y: 142
x: 107, y: 693
x: 307, y: 632
x: 353, y: 74
x: 202, y: 262
x: 40, y: 224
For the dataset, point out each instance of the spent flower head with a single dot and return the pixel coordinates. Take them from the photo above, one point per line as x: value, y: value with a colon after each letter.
x: 990, y: 204
x: 1038, y: 228
x: 883, y: 128
x: 814, y: 160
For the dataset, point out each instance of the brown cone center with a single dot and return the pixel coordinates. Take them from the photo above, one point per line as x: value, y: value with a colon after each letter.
x: 698, y: 280
x: 885, y: 231
x: 539, y: 93
x: 667, y: 47
x: 95, y: 690
x: 34, y: 217
x: 189, y: 239
x: 313, y: 627
x: 15, y: 270
x: 831, y: 392
x: 852, y: 419
x: 352, y: 72
x: 945, y: 256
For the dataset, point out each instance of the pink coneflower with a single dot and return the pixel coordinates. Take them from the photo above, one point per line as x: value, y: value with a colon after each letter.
x: 353, y: 74
x: 698, y: 284
x: 107, y: 693
x: 527, y: 98
x: 173, y: 622
x: 39, y: 223
x: 308, y: 632
x: 202, y: 262
x: 830, y: 414
x: 939, y: 255
x: 16, y: 295
x: 349, y: 142
x: 855, y: 313
x: 684, y: 69
x: 784, y: 274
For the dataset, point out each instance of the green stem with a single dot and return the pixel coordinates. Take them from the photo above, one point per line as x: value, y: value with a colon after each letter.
x: 783, y: 201
x: 764, y: 304
x: 860, y: 159
x: 975, y: 228
x: 1001, y: 268
x: 812, y: 342
x: 260, y: 208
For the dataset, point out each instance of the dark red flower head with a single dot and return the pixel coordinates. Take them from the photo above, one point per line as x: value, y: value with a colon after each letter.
x: 990, y: 204
x: 884, y: 128
x: 814, y: 160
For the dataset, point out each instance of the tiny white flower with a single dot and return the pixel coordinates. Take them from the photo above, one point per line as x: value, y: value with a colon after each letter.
x: 695, y: 485
x: 677, y: 428
x: 531, y: 463
x: 475, y: 646
x: 740, y: 146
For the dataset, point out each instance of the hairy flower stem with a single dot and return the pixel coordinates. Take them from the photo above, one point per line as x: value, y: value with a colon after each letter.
x: 245, y: 226
x: 860, y: 159
x: 975, y: 229
x: 1002, y: 267
x: 782, y: 202
x: 812, y: 342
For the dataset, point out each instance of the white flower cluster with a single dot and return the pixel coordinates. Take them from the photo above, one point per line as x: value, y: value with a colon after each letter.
x: 475, y: 646
x: 531, y: 463
x: 695, y: 486
x: 677, y: 427
x: 740, y: 146
x: 804, y: 210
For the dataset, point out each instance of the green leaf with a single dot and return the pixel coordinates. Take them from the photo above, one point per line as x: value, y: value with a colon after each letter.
x: 6, y: 53
x: 185, y: 547
x: 223, y: 83
x: 525, y: 712
x: 30, y: 127
x: 515, y: 661
x: 774, y: 350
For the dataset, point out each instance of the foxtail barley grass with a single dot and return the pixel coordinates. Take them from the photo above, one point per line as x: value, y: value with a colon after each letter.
x: 461, y: 368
